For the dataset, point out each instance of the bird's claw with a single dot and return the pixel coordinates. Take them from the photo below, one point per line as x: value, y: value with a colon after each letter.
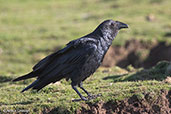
x: 90, y: 96
x: 82, y: 99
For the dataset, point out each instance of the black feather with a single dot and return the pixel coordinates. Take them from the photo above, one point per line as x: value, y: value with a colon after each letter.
x: 30, y: 86
x: 78, y: 60
x: 27, y: 76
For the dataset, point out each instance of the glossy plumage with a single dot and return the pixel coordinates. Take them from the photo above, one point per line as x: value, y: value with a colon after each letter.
x: 77, y: 61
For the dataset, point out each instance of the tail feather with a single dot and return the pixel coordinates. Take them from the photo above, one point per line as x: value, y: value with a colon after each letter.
x: 41, y: 85
x: 45, y: 81
x: 29, y: 75
x: 31, y: 85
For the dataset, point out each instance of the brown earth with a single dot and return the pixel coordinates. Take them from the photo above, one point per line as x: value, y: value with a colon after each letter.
x: 133, y: 105
x: 138, y: 54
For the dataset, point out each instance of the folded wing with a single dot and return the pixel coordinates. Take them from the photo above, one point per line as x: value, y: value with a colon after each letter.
x: 60, y: 64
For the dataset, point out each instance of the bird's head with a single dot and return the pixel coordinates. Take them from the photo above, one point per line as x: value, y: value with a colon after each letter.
x: 110, y: 27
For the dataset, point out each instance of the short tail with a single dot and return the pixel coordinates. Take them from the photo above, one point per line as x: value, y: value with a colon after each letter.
x: 29, y: 75
x: 31, y: 85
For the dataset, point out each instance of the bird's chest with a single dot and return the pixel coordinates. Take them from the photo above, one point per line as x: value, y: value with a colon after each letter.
x: 93, y: 62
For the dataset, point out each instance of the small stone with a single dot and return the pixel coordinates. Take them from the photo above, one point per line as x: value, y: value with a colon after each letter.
x: 151, y: 17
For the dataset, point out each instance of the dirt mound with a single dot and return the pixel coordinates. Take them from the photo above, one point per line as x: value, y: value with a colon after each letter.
x: 134, y: 105
x: 138, y: 54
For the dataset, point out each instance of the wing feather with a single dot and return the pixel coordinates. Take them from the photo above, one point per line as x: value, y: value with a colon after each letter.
x: 64, y: 61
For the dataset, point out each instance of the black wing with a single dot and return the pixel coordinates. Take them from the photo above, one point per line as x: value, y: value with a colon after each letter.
x: 76, y: 46
x: 49, y: 58
x: 58, y: 65
x: 42, y: 64
x: 65, y: 60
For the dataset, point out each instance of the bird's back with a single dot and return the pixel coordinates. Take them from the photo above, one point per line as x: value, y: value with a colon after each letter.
x: 78, y: 60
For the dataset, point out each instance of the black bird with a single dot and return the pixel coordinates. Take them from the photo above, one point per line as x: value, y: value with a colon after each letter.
x: 77, y: 61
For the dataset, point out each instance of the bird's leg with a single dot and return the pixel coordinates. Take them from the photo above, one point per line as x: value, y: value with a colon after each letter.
x: 90, y: 96
x: 81, y: 86
x: 76, y: 90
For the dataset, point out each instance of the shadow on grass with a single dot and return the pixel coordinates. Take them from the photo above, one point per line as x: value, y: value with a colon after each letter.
x: 22, y: 103
x: 158, y: 72
x: 4, y: 79
x: 168, y: 34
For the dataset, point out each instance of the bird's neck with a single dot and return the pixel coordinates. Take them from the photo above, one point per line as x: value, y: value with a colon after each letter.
x: 104, y: 36
x: 109, y: 37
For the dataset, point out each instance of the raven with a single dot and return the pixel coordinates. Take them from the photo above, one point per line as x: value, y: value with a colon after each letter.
x: 77, y: 61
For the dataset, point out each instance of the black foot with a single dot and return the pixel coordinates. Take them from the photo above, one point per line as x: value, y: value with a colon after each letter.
x: 89, y: 97
x: 82, y: 99
x: 93, y: 96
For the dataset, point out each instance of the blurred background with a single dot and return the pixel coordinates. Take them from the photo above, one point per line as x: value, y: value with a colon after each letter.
x: 32, y: 29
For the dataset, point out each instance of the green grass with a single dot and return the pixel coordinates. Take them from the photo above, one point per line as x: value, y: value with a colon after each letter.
x: 31, y: 29
x: 158, y: 72
x: 58, y: 97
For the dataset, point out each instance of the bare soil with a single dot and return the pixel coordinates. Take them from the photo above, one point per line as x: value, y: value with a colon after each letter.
x: 138, y: 54
x: 150, y: 104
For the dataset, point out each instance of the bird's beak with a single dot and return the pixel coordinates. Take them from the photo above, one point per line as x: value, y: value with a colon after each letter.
x: 122, y: 25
